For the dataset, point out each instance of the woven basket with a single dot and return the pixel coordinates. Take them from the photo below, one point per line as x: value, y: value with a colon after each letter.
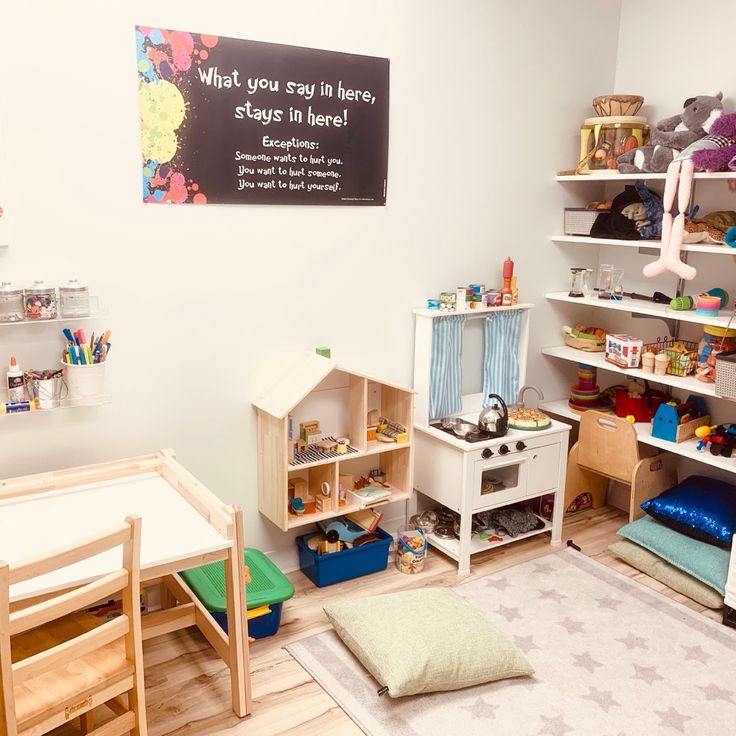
x: 608, y: 105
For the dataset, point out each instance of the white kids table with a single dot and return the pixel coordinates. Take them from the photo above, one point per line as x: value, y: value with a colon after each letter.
x: 184, y: 526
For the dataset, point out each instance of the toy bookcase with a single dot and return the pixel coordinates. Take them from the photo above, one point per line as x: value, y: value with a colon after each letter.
x: 317, y: 389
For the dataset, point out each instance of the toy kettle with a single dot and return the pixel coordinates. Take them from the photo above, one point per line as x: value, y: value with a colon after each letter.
x: 494, y: 418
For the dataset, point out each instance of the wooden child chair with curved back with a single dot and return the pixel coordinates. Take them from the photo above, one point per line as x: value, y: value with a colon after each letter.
x: 58, y: 663
x: 608, y: 449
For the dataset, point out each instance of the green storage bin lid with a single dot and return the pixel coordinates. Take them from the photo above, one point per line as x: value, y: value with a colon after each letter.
x: 268, y: 584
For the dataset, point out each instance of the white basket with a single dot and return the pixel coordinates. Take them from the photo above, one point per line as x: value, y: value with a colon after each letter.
x: 579, y: 220
x: 726, y: 374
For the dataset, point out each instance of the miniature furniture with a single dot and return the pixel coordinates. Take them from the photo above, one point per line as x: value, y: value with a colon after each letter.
x: 470, y: 477
x: 184, y: 526
x: 608, y: 449
x: 318, y: 393
x: 57, y: 663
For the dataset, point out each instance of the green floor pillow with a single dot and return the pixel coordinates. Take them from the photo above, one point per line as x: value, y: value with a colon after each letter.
x: 422, y: 641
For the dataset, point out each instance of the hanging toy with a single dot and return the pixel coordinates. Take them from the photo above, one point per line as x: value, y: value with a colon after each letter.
x: 680, y: 178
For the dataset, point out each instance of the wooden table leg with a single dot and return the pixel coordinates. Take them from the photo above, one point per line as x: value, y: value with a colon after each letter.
x: 236, y: 620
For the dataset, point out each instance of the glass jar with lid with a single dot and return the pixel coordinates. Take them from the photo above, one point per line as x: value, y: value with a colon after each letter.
x: 74, y: 299
x: 11, y: 303
x: 715, y: 340
x: 40, y: 301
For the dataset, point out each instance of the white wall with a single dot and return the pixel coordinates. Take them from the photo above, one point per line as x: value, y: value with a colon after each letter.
x: 486, y: 98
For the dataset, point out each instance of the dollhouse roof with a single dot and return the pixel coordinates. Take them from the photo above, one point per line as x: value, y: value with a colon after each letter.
x: 304, y: 376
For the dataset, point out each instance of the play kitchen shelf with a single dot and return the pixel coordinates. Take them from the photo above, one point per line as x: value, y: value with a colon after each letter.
x: 615, y: 176
x: 318, y: 390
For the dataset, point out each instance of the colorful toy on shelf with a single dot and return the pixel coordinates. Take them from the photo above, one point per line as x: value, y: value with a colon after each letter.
x: 679, y: 422
x: 506, y: 293
x: 586, y: 394
x: 388, y: 431
x: 721, y: 439
x: 623, y: 351
x: 637, y: 401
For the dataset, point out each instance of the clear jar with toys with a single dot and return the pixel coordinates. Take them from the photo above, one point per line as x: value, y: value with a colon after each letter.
x: 411, y: 550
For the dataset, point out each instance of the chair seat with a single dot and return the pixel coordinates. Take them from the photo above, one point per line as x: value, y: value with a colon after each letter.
x: 40, y: 697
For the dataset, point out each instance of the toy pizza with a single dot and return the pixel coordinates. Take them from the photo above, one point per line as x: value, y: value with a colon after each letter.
x: 528, y: 419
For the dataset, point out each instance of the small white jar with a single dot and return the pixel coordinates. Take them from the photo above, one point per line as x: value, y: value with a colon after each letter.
x: 11, y: 303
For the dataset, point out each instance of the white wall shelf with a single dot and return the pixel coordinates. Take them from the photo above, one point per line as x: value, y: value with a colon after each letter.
x: 640, y: 306
x: 615, y: 176
x: 688, y: 383
x: 58, y: 320
x: 686, y: 449
x: 63, y: 404
x: 722, y: 250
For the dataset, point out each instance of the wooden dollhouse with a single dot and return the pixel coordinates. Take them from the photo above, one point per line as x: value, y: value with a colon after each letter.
x: 316, y: 443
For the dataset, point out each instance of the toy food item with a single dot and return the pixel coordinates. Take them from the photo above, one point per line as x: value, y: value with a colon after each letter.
x: 528, y: 419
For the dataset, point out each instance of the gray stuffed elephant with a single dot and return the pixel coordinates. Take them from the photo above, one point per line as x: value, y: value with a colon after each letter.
x: 671, y: 135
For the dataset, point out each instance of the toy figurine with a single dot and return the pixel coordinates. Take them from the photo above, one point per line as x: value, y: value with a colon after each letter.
x: 721, y: 438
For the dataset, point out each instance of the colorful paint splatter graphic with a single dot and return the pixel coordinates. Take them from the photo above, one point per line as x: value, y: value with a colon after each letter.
x: 164, y: 57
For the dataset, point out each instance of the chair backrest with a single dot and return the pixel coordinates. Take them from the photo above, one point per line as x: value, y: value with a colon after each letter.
x: 608, y: 446
x: 127, y: 626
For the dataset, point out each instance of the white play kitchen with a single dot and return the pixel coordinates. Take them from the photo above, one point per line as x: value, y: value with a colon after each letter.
x: 478, y: 459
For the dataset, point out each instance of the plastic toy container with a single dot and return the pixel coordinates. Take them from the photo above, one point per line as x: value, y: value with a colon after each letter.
x: 265, y: 593
x: 333, y: 568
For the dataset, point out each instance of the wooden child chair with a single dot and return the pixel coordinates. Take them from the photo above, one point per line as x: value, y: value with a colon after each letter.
x: 57, y: 663
x: 607, y: 449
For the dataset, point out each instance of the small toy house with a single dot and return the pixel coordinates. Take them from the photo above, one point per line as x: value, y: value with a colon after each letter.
x: 319, y: 393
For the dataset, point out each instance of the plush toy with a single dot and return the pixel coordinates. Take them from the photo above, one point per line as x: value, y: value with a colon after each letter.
x: 671, y: 135
x: 636, y: 213
x: 718, y: 148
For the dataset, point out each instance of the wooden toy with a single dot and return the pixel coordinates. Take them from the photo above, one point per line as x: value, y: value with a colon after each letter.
x: 720, y: 437
x: 326, y: 445
x: 678, y: 422
x: 608, y: 448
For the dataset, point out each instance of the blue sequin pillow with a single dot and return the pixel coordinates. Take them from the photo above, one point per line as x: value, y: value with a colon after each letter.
x: 699, y: 507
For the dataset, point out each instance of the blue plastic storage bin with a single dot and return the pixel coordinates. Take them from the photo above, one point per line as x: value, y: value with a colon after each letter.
x: 259, y: 627
x: 350, y: 563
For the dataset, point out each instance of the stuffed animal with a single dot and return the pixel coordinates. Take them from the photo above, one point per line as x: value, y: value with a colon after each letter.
x: 671, y: 135
x: 636, y: 213
x: 715, y: 151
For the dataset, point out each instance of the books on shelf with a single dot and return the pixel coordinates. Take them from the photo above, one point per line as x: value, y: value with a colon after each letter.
x: 365, y: 518
x: 372, y: 493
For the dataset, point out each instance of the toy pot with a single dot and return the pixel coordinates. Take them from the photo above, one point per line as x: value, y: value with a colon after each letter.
x: 661, y: 363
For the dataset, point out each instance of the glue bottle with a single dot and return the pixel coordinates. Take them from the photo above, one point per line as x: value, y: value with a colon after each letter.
x: 506, y: 293
x: 16, y: 392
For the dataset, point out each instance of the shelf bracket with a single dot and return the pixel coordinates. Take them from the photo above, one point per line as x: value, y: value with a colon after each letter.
x: 671, y: 324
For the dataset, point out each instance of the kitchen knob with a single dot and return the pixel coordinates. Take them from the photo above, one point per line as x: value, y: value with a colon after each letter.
x: 504, y: 449
x: 487, y: 453
x: 520, y: 446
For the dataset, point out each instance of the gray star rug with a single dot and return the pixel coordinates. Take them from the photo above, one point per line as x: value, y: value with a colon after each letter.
x: 612, y: 658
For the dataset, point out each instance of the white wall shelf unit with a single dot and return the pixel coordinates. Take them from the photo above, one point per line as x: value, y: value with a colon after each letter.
x: 615, y: 176
x: 686, y: 449
x: 646, y: 308
x: 597, y: 360
x: 722, y: 250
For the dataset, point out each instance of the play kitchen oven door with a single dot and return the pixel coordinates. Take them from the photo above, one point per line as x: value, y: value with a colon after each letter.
x: 523, y: 471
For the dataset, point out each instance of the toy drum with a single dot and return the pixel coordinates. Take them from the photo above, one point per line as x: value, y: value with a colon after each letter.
x: 603, y: 140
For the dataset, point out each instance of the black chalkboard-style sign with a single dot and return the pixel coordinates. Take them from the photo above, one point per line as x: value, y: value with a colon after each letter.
x: 229, y: 121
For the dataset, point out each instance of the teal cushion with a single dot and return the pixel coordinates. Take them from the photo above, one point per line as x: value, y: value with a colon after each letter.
x: 703, y: 561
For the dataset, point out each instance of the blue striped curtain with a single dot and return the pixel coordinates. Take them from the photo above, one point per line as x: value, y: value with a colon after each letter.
x: 445, y: 370
x: 501, y: 355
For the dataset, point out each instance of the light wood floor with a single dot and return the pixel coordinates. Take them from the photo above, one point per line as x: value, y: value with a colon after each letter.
x: 187, y: 686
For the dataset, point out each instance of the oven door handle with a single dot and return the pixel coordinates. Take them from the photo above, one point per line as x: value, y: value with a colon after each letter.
x: 495, y: 464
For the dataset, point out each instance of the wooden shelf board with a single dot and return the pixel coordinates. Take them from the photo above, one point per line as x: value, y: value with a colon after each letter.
x: 435, y: 313
x: 615, y: 176
x: 688, y: 383
x: 710, y: 249
x: 644, y: 434
x: 375, y: 448
x: 451, y: 547
x: 639, y: 306
x: 305, y: 519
